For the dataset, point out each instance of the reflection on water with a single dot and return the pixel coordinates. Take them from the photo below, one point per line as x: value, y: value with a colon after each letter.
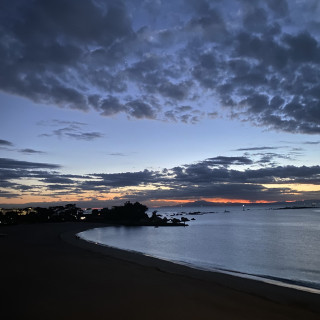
x: 274, y: 243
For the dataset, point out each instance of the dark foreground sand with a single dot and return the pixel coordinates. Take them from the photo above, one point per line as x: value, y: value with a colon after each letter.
x: 46, y: 273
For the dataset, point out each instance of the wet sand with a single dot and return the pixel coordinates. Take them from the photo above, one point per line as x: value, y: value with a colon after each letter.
x: 47, y: 273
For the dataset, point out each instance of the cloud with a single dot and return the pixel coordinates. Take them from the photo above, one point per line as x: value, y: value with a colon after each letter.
x: 255, y: 20
x: 257, y: 148
x: 303, y: 47
x: 215, y: 177
x: 58, y: 187
x: 5, y: 143
x: 8, y: 195
x: 31, y: 151
x: 312, y: 142
x: 140, y: 109
x: 126, y: 179
x: 12, y: 170
x: 208, y: 179
x: 52, y: 37
x: 269, y: 158
x: 70, y: 129
x: 117, y: 154
x: 57, y: 122
x: 227, y: 161
x: 279, y: 7
x: 6, y: 163
x: 224, y: 191
x: 255, y: 61
x: 175, y: 91
x: 58, y: 180
x: 108, y: 106
x: 88, y: 136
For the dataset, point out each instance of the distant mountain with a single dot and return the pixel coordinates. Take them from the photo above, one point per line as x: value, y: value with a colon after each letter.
x: 203, y: 203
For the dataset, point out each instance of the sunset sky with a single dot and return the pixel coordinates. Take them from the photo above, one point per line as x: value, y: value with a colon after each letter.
x: 161, y: 102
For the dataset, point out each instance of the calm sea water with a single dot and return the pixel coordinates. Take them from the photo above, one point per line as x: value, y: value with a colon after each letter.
x: 274, y: 244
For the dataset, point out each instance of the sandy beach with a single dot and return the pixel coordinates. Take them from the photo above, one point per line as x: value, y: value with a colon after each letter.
x: 47, y: 273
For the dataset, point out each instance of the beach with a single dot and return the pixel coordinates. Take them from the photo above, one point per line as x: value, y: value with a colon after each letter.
x: 48, y: 273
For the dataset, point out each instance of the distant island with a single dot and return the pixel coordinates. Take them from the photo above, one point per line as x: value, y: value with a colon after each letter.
x: 296, y: 207
x: 129, y: 214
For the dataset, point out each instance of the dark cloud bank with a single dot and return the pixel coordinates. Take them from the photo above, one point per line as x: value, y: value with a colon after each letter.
x: 258, y: 60
x: 218, y: 177
x: 5, y: 143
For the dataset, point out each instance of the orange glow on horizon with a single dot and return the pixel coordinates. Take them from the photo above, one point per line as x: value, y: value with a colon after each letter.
x: 222, y: 200
x: 48, y: 200
x: 213, y: 200
x: 170, y: 200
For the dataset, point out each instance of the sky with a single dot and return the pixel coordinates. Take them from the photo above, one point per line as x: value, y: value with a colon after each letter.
x: 161, y: 102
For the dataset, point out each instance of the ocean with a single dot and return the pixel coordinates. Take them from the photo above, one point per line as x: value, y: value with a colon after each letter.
x: 278, y: 245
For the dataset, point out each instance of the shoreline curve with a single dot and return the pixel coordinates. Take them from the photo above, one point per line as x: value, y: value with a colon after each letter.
x: 271, y: 289
x: 50, y: 274
x: 281, y: 282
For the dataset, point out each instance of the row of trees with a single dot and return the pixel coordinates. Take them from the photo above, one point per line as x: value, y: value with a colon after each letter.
x: 69, y: 212
x: 128, y: 214
x: 132, y: 214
